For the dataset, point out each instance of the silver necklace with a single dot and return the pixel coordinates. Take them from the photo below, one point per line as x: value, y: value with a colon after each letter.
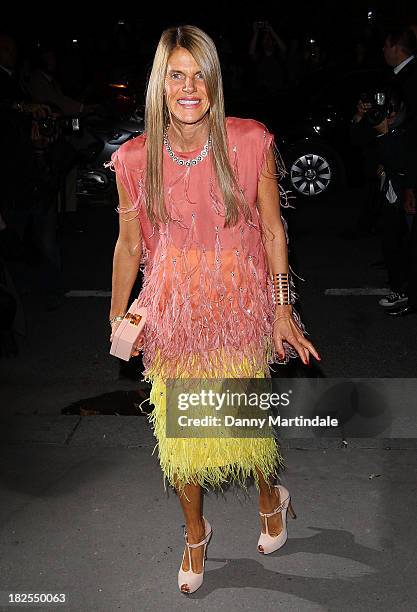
x: 186, y: 162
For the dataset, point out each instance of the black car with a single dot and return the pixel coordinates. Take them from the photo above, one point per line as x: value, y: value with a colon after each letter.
x: 311, y: 123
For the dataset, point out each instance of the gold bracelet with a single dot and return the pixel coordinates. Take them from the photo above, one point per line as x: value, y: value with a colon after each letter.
x: 281, y: 294
x: 116, y: 318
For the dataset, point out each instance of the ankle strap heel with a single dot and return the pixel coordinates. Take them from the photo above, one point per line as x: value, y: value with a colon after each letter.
x: 190, y: 578
x: 291, y: 510
x: 267, y: 543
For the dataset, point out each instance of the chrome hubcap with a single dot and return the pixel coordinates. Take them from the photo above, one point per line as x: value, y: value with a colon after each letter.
x: 310, y: 174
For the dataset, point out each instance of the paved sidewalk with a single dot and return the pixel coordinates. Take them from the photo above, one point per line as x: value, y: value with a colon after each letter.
x: 84, y: 513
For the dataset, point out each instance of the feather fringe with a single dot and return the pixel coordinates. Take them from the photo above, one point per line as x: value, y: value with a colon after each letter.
x: 198, y: 300
x: 210, y: 462
x: 210, y: 315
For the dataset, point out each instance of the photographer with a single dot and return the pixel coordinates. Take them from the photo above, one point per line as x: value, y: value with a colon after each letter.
x: 380, y: 126
x: 44, y: 87
x: 25, y: 200
x: 399, y: 53
x: 18, y: 122
x: 268, y: 58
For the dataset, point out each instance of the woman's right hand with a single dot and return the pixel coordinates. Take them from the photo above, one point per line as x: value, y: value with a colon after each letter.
x: 114, y: 326
x: 139, y: 342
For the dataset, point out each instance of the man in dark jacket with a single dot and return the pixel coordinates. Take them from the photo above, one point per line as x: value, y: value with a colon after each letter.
x: 399, y: 53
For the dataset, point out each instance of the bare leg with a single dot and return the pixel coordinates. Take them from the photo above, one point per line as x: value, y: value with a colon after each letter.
x: 192, y: 508
x: 269, y: 499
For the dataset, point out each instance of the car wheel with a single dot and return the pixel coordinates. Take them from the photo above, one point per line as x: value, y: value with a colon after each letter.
x: 313, y: 172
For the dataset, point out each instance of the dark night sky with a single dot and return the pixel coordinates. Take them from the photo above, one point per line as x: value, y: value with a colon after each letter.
x: 327, y: 18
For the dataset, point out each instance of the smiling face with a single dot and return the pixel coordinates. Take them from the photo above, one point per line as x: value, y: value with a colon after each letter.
x: 185, y: 89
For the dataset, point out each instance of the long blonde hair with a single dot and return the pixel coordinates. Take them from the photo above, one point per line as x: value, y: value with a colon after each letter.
x: 203, y: 50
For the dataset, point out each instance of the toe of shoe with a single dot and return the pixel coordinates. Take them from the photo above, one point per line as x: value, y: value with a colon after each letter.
x: 398, y: 312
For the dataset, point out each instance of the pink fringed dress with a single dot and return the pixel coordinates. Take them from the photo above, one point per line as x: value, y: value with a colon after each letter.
x: 208, y: 295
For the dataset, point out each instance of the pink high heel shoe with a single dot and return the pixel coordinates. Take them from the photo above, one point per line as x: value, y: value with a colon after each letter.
x: 272, y: 543
x: 190, y: 578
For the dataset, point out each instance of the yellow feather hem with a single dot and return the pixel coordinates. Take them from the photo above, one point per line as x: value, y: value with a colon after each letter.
x: 209, y: 462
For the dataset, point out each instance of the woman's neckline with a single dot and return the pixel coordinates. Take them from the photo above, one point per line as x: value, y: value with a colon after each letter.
x: 185, y: 153
x: 190, y: 153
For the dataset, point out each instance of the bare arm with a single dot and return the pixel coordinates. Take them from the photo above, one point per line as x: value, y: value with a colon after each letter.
x: 274, y: 239
x: 280, y: 43
x: 275, y: 244
x: 127, y: 255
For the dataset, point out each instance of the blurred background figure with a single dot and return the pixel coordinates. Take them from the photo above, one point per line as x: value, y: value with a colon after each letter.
x: 314, y: 56
x: 232, y: 68
x: 44, y: 87
x: 29, y: 221
x: 268, y: 54
x: 383, y: 133
x: 294, y: 61
x: 386, y: 125
x: 400, y: 46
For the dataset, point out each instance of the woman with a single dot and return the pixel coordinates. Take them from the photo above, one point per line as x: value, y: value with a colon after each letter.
x: 204, y: 192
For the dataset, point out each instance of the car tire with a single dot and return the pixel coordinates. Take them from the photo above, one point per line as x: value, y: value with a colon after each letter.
x: 313, y: 170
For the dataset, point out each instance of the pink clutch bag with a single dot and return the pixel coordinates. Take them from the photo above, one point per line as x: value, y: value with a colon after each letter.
x: 128, y: 332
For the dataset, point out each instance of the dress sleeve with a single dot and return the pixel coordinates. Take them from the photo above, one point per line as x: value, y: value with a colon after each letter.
x: 122, y: 175
x: 126, y: 176
x: 264, y: 141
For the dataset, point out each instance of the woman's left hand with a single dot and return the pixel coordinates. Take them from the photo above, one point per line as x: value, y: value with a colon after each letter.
x: 137, y: 347
x: 285, y: 328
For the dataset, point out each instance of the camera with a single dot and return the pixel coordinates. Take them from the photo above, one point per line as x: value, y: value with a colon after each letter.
x: 383, y: 102
x: 47, y: 127
x: 51, y: 127
x: 379, y: 107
